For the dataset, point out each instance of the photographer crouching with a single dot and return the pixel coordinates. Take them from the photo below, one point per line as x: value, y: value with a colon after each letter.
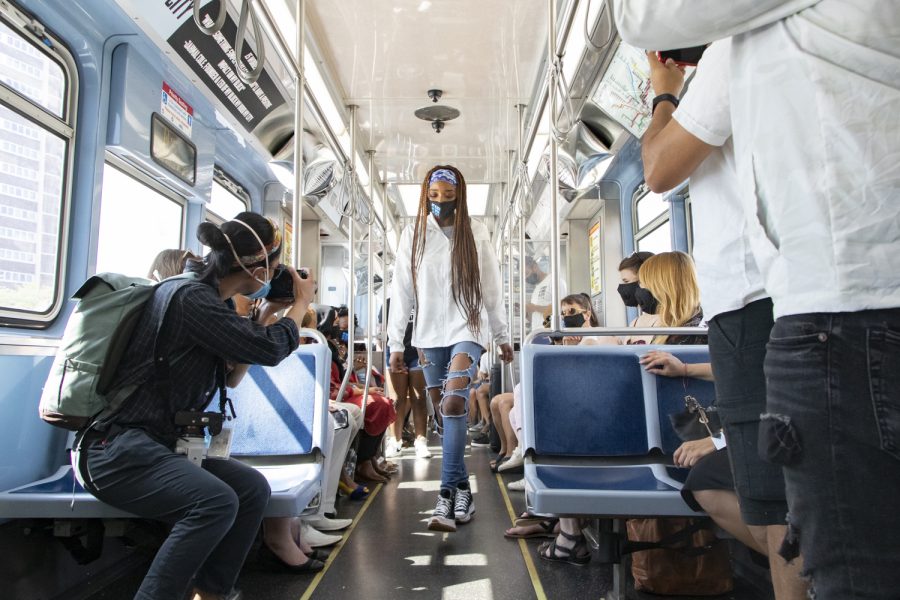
x: 138, y: 459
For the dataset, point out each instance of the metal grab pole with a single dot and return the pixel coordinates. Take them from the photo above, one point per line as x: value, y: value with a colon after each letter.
x: 509, y: 276
x: 297, y: 203
x: 351, y: 227
x: 370, y: 280
x: 523, y: 317
x: 384, y: 269
x: 554, y: 178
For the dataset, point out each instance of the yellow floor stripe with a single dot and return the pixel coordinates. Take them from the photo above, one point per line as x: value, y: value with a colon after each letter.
x: 529, y: 563
x: 337, y: 550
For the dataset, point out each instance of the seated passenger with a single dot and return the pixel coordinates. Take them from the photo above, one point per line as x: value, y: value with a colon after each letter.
x: 215, y: 508
x: 379, y: 415
x: 628, y: 271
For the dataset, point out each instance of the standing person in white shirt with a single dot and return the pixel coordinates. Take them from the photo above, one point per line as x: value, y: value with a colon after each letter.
x: 815, y: 98
x: 694, y: 141
x: 446, y: 269
x: 539, y: 307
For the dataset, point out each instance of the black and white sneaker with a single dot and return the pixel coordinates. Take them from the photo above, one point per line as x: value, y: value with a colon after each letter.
x: 442, y: 519
x: 464, y: 505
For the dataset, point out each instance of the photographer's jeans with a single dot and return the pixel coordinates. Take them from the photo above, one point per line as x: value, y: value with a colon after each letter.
x: 833, y: 423
x: 215, y: 510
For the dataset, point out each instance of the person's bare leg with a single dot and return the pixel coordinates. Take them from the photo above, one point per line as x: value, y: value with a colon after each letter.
x: 786, y: 579
x: 483, y: 395
x: 496, y: 401
x: 512, y: 442
x: 723, y: 507
x: 400, y: 383
x: 278, y: 538
x: 417, y: 399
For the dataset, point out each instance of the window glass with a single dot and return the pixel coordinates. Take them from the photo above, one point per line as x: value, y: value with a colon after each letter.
x: 30, y: 72
x: 136, y: 223
x: 223, y: 204
x: 649, y: 207
x: 32, y: 168
x: 658, y: 240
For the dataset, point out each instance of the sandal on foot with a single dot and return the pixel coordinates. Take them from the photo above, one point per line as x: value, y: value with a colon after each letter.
x: 576, y: 555
x: 495, y: 464
x: 545, y: 528
x: 527, y: 518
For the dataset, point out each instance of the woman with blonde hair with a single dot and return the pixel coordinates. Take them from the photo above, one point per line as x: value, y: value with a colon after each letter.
x: 669, y: 289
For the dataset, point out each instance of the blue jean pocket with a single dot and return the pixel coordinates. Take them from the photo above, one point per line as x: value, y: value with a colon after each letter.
x: 883, y: 354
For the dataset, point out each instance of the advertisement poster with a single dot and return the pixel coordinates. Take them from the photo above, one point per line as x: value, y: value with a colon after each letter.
x: 596, y: 259
x: 287, y: 242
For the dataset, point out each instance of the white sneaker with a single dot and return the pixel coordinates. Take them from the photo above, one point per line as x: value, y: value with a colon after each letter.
x: 421, y: 445
x: 516, y: 486
x: 315, y: 538
x: 392, y: 448
x: 325, y: 524
x: 515, y: 460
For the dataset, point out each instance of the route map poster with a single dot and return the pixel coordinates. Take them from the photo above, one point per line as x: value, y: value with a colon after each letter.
x: 624, y: 93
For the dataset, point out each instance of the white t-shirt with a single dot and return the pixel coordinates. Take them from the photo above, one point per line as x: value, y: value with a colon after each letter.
x: 815, y: 94
x: 726, y: 270
x: 540, y: 295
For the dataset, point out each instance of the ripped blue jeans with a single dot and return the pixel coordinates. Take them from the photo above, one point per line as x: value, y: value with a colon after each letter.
x: 438, y: 375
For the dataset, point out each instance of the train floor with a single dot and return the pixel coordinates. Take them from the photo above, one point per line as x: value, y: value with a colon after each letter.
x: 388, y: 552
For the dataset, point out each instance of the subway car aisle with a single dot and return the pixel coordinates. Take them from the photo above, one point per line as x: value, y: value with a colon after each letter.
x: 391, y: 554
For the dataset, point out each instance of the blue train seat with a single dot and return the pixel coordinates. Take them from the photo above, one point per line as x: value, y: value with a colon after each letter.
x: 597, y: 435
x: 280, y: 430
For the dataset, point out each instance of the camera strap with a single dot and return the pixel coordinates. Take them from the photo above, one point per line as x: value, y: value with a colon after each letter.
x: 224, y: 400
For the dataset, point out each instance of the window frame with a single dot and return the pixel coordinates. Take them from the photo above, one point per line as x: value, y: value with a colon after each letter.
x: 640, y: 233
x: 65, y: 128
x: 233, y: 187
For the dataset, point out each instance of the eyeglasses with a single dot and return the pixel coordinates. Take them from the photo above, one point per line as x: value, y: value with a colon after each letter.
x: 571, y: 312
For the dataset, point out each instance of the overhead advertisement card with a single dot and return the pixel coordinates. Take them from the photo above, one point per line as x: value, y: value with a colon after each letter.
x: 210, y: 57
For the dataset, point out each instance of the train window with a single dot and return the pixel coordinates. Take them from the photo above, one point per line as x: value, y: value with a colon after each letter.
x: 227, y: 199
x: 649, y: 207
x: 137, y: 221
x: 657, y: 240
x: 28, y: 70
x: 37, y: 90
x: 652, y: 225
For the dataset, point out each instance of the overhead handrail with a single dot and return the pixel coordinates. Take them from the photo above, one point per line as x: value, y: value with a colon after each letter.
x: 218, y: 23
x: 587, y: 36
x: 522, y: 191
x: 249, y: 77
x: 558, y: 88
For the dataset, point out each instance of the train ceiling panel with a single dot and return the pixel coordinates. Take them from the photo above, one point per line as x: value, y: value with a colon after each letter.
x: 386, y: 55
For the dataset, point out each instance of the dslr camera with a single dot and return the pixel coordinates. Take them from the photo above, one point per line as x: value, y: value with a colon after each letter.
x: 283, y: 284
x: 191, y: 423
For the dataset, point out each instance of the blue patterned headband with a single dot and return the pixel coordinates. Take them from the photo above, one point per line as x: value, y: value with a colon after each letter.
x: 443, y: 175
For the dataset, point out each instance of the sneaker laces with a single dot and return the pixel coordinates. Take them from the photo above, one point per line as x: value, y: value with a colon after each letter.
x: 444, y: 507
x: 463, y: 500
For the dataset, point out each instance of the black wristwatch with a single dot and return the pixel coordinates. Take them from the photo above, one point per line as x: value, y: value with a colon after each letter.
x: 664, y: 98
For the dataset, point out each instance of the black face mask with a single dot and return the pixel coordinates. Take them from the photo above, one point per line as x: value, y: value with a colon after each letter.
x: 533, y: 279
x: 646, y: 301
x: 626, y: 291
x: 576, y: 320
x: 442, y: 210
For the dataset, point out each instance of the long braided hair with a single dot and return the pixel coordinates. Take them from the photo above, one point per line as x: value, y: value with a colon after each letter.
x: 465, y: 274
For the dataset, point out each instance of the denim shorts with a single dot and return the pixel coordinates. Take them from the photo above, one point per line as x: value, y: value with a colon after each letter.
x: 737, y: 350
x: 834, y: 425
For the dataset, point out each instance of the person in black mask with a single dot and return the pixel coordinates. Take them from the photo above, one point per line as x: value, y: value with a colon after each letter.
x: 634, y: 295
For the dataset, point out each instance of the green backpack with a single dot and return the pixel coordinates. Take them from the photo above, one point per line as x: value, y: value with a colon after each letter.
x: 78, y: 386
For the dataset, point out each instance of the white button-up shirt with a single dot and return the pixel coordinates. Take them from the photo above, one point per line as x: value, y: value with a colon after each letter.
x: 440, y: 322
x: 815, y: 107
x: 726, y: 270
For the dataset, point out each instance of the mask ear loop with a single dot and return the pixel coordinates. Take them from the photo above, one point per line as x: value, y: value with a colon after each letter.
x: 238, y: 258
